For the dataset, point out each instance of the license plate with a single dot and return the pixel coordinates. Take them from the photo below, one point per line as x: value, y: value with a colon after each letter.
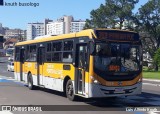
x: 119, y: 90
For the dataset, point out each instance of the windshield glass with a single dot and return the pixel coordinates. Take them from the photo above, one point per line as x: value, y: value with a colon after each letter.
x: 9, y: 51
x: 117, y: 57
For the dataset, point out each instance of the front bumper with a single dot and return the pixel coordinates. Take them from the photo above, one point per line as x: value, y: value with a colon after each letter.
x: 97, y: 90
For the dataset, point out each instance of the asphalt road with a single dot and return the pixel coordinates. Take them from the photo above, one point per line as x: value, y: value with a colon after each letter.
x: 16, y: 93
x: 3, y: 70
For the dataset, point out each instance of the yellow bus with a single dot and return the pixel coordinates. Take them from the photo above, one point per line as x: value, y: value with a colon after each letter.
x: 91, y: 63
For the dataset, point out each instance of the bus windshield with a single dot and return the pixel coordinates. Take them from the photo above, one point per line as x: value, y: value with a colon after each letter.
x: 117, y: 57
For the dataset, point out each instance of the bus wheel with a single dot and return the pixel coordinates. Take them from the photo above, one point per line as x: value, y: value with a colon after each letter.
x: 70, y: 91
x: 30, y: 82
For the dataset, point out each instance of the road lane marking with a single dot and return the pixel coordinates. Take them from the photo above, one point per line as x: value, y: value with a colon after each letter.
x: 10, y: 79
x: 5, y: 112
x: 156, y: 112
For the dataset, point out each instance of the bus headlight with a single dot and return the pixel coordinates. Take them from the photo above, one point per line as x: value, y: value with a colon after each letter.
x: 140, y: 79
x: 94, y: 80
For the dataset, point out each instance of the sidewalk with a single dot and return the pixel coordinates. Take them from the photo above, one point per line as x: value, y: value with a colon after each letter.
x: 153, y: 80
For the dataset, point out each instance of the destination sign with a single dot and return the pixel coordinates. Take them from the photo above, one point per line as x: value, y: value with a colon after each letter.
x: 117, y: 35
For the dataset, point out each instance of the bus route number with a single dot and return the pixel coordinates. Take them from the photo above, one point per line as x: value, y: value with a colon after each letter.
x: 114, y: 68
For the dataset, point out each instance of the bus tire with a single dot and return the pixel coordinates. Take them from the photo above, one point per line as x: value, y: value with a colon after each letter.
x: 70, y: 91
x: 30, y: 82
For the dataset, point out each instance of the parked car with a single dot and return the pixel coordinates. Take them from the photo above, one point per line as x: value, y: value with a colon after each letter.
x: 10, y: 66
x: 10, y: 59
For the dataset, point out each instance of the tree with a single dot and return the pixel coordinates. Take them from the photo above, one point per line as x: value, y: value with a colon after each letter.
x: 148, y: 18
x: 157, y: 57
x: 111, y: 13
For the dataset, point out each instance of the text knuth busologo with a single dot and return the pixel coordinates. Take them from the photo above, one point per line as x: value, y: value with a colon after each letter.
x: 1, y: 2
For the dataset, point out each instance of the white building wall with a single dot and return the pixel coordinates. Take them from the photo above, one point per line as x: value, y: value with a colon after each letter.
x: 67, y: 20
x: 77, y: 26
x: 35, y: 30
x: 29, y: 32
x: 64, y: 25
x: 55, y: 28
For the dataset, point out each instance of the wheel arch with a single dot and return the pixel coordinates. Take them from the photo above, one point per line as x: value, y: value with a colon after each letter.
x: 65, y: 82
x: 29, y: 72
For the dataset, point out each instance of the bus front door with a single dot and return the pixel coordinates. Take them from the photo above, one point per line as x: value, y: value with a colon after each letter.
x: 40, y: 62
x: 22, y: 53
x: 81, y: 61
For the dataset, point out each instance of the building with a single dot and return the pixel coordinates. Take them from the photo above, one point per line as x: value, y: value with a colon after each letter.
x: 19, y: 34
x: 55, y: 28
x: 34, y: 30
x: 2, y: 51
x: 77, y: 26
x: 1, y: 42
x: 1, y: 27
x: 10, y: 43
x: 2, y: 30
x: 46, y: 21
x: 67, y: 20
x: 64, y: 25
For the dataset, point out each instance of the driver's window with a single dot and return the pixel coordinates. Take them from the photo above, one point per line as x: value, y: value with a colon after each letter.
x: 103, y: 50
x: 133, y: 53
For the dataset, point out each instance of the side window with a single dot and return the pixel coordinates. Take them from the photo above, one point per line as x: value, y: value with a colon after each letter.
x: 68, y: 45
x: 67, y: 57
x: 57, y: 51
x: 57, y: 56
x: 57, y: 46
x: 31, y: 53
x: 17, y: 54
x: 49, y: 52
x: 49, y: 47
x: 68, y: 51
x: 27, y: 53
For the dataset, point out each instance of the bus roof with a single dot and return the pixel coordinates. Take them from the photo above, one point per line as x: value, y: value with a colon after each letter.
x: 88, y: 32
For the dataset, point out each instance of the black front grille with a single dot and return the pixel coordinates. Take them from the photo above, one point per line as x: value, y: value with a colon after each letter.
x: 126, y: 91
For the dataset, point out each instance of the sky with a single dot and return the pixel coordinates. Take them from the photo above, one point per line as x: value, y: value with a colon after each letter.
x: 19, y: 16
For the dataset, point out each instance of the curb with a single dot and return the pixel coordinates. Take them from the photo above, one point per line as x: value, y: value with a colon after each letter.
x: 153, y: 80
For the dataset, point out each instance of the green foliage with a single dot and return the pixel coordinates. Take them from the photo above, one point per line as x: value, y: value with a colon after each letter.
x: 111, y: 13
x: 151, y: 75
x: 148, y: 19
x: 157, y: 57
x: 149, y: 15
